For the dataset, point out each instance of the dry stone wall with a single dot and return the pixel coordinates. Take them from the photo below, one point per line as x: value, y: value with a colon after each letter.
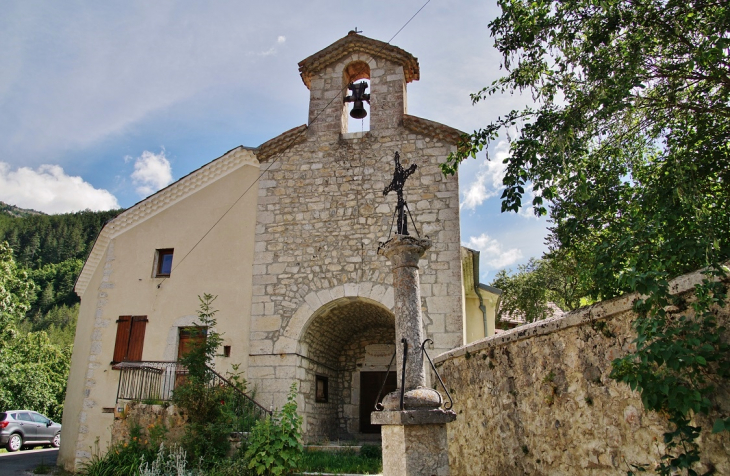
x: 538, y: 400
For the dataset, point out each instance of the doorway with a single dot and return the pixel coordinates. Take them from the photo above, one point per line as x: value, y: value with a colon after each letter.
x: 370, y: 383
x: 190, y: 338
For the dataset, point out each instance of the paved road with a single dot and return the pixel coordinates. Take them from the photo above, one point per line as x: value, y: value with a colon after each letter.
x: 12, y: 464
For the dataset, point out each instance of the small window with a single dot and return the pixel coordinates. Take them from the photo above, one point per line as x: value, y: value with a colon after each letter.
x: 164, y: 263
x: 226, y: 351
x: 321, y: 389
x: 130, y: 339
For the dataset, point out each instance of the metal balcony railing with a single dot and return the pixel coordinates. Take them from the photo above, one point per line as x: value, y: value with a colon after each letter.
x: 155, y: 382
x: 150, y: 382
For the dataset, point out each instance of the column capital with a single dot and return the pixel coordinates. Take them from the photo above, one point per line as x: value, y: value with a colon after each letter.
x: 404, y: 250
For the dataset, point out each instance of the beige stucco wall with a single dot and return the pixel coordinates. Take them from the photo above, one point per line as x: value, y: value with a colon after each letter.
x: 123, y: 284
x: 538, y: 399
x: 474, y: 319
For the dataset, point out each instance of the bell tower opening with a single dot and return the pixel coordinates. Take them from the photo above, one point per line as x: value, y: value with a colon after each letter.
x: 356, y: 73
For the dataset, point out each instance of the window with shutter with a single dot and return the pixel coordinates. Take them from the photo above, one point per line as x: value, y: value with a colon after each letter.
x: 130, y: 338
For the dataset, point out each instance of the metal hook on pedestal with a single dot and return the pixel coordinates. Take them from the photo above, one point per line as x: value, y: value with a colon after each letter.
x: 423, y: 349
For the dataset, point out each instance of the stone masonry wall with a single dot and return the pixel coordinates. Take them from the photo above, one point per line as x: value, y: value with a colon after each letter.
x: 538, y: 399
x: 146, y: 417
x: 321, y: 214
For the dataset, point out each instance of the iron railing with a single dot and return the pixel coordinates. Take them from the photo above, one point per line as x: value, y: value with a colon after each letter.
x: 155, y: 382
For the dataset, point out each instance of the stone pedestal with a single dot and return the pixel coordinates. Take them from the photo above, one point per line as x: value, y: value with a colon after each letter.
x: 414, y: 442
x: 415, y: 450
x: 414, y: 429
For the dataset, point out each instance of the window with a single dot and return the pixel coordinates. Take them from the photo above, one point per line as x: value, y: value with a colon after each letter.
x: 130, y: 338
x: 163, y: 267
x: 40, y: 418
x: 321, y: 389
x: 24, y: 417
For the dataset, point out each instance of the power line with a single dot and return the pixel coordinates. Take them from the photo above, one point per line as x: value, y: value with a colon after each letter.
x: 277, y: 156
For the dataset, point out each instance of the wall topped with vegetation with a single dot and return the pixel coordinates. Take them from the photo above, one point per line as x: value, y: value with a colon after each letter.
x: 539, y: 400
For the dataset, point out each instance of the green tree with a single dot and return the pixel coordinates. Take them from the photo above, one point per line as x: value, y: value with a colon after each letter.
x: 207, y: 430
x: 54, y: 284
x: 16, y: 291
x: 33, y: 372
x: 528, y: 291
x: 627, y: 148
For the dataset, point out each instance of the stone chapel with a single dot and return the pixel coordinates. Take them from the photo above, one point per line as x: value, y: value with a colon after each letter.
x: 286, y: 236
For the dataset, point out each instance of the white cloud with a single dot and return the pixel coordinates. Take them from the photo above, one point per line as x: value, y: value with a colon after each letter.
x: 50, y: 190
x: 280, y: 40
x: 488, y: 182
x: 527, y: 210
x: 151, y: 172
x: 492, y: 252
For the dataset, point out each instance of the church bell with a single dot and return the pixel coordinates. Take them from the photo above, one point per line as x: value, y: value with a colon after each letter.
x: 357, y: 97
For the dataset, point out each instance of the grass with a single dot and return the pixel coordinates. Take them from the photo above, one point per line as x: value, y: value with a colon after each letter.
x: 340, y: 462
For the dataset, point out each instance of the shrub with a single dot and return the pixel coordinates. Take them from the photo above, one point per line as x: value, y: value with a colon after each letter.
x: 167, y: 463
x: 121, y: 460
x: 275, y: 446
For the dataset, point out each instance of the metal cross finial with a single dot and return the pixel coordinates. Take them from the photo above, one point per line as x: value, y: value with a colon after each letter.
x: 399, y: 179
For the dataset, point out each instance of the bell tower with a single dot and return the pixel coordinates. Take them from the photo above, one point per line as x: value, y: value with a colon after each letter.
x: 328, y: 73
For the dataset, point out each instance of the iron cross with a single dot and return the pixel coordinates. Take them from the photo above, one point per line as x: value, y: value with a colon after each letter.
x: 399, y: 179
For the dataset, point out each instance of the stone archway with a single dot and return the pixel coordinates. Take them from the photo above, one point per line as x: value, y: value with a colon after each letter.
x: 343, y: 338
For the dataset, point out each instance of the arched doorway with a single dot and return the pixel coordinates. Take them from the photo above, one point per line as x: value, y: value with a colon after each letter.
x: 345, y: 351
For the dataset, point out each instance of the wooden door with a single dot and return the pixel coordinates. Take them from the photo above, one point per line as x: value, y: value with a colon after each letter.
x: 190, y: 337
x: 370, y: 383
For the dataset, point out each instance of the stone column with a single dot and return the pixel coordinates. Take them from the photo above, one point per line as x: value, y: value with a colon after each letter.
x: 414, y: 437
x: 404, y: 252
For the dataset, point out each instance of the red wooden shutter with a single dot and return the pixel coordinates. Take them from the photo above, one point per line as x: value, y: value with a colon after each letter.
x: 124, y: 325
x: 136, y: 338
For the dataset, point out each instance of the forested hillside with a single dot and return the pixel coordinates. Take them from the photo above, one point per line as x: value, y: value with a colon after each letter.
x: 40, y: 258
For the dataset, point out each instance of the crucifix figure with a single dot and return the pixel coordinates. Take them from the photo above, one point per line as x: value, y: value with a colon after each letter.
x: 399, y: 179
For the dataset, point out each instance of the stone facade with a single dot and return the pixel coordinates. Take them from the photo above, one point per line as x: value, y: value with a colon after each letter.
x: 538, y: 399
x: 321, y: 216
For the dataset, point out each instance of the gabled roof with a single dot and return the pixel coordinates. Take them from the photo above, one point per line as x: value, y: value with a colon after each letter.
x: 281, y: 142
x: 355, y: 43
x: 157, y: 202
x: 432, y: 129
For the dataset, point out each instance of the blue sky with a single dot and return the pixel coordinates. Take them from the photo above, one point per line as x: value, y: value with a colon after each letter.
x: 102, y: 103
